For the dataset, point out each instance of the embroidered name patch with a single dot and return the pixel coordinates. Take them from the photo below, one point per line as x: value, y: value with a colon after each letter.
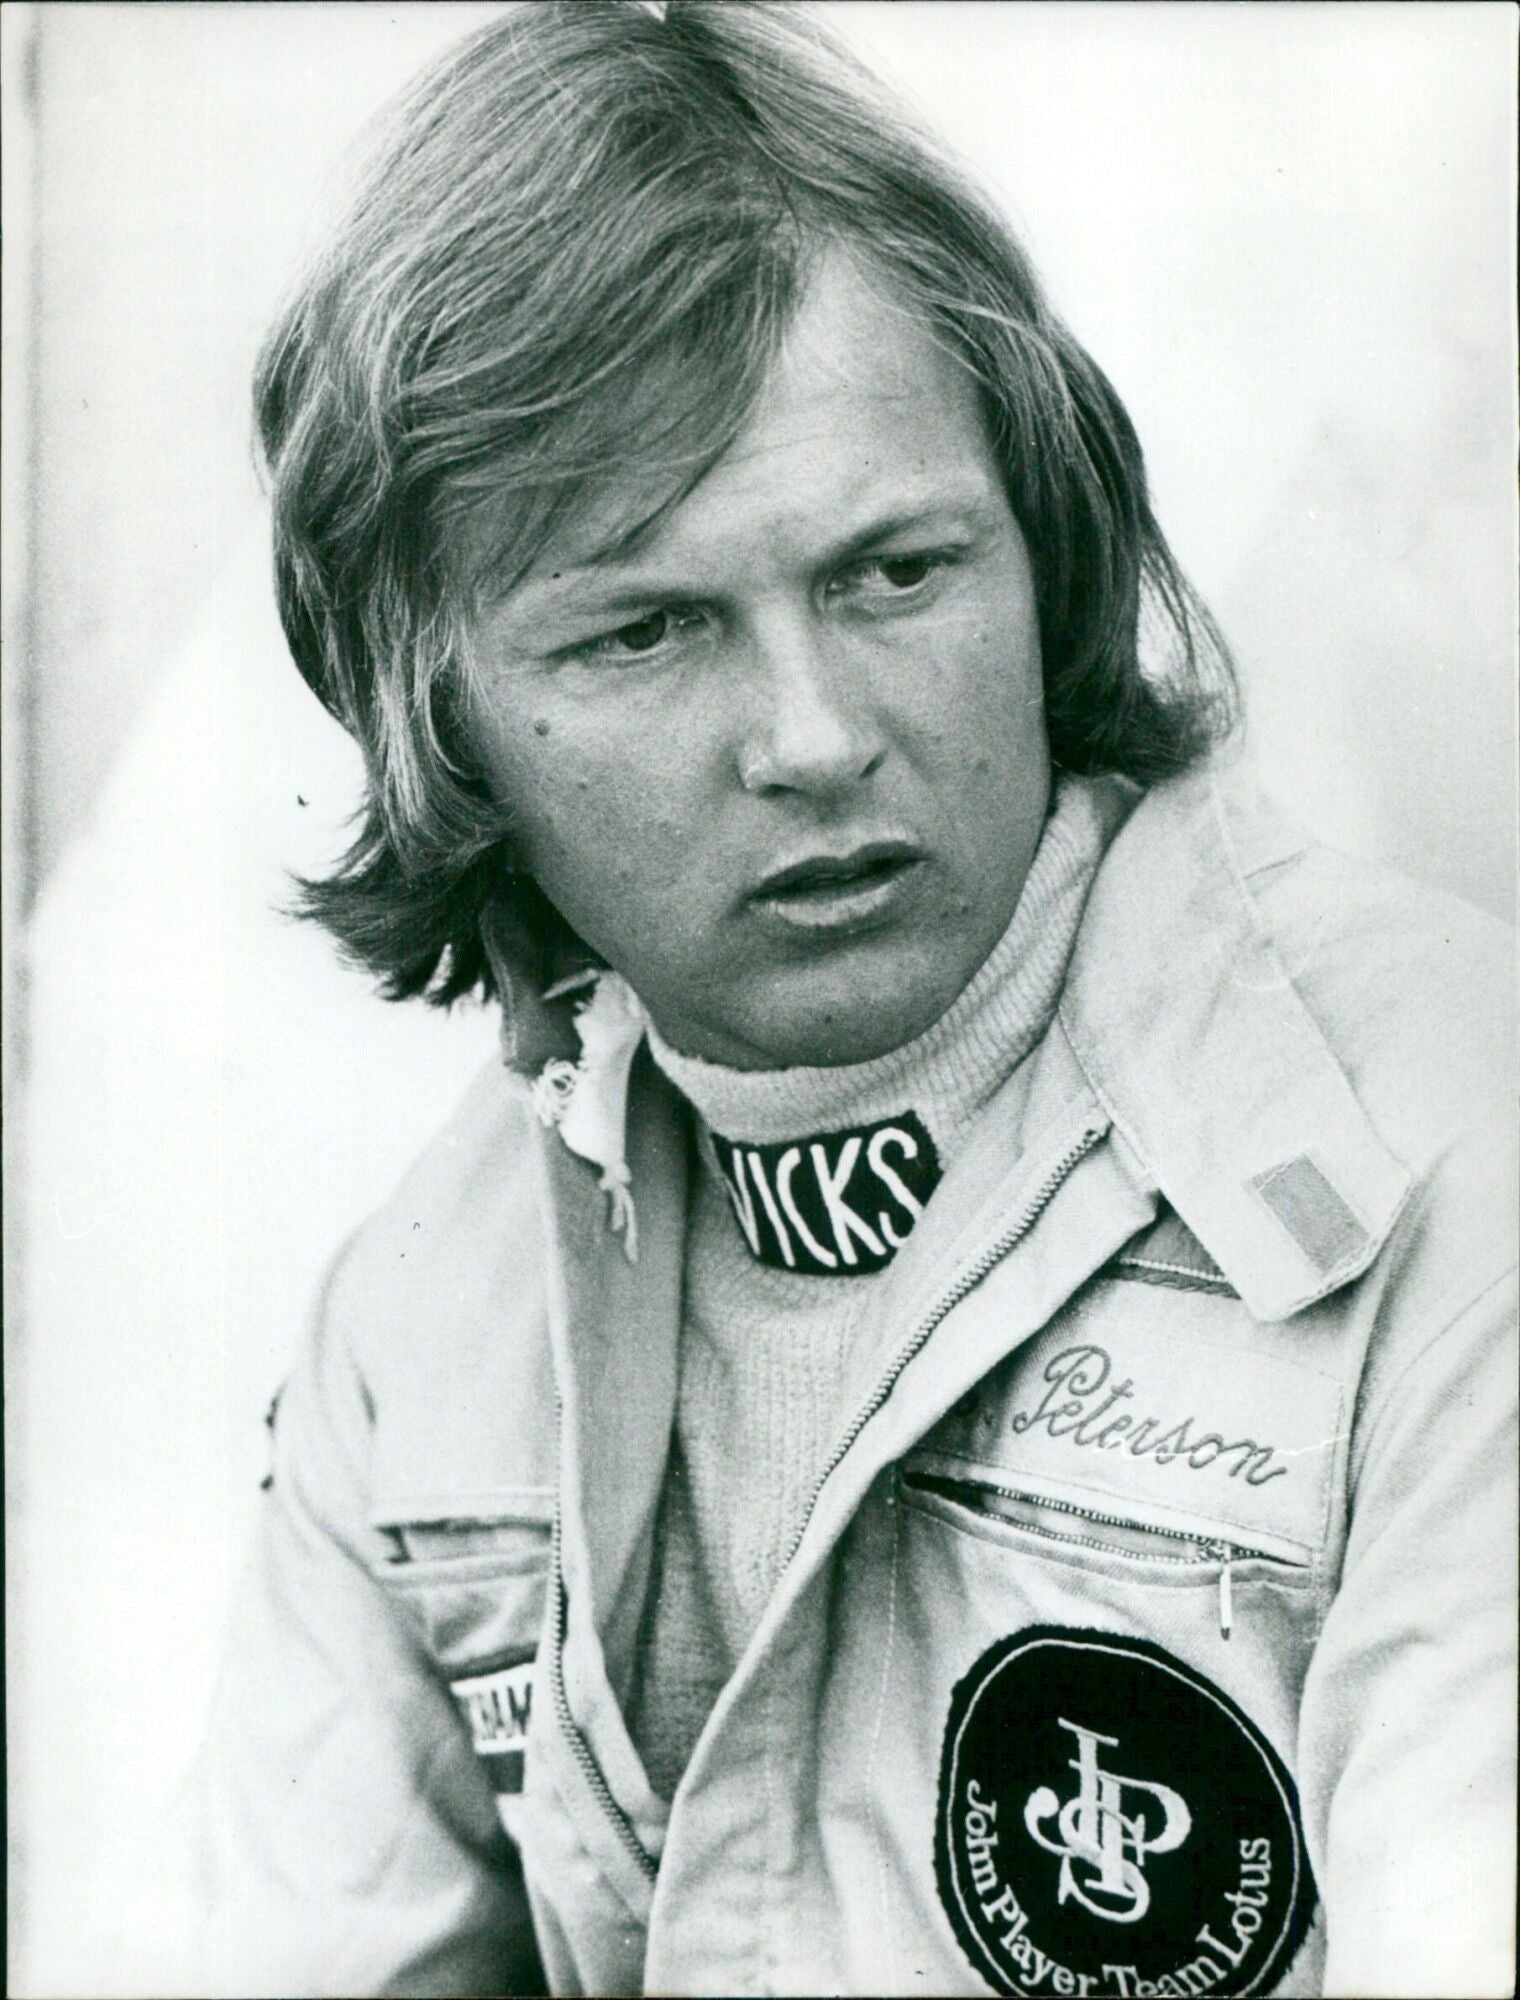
x: 1111, y: 1824
x: 840, y: 1204
x: 498, y: 1707
x: 1118, y: 1404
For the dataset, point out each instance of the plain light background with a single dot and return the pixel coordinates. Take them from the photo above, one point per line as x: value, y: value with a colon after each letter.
x: 1285, y: 231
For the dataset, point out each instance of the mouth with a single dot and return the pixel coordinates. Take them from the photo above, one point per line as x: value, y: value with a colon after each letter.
x: 829, y: 891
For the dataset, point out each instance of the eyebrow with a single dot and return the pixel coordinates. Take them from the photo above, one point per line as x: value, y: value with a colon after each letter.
x: 972, y: 509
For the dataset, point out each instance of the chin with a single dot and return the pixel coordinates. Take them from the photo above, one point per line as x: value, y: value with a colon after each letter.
x: 828, y: 1033
x: 846, y: 1006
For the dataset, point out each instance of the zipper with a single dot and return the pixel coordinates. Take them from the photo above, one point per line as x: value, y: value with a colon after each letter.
x: 972, y: 1276
x: 1200, y: 1548
x: 968, y: 1280
x: 580, y: 1749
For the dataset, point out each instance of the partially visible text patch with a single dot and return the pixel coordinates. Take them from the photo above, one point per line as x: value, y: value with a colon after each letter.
x: 836, y: 1204
x: 498, y: 1707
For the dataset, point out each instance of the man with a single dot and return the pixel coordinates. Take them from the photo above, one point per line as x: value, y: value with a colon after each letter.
x: 941, y: 1424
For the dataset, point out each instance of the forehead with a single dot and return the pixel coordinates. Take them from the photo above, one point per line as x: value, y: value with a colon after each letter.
x: 864, y: 405
x: 856, y: 351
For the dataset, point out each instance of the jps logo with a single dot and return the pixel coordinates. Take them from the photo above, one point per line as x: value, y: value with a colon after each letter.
x: 840, y: 1204
x: 1094, y: 1829
x: 1190, y: 1879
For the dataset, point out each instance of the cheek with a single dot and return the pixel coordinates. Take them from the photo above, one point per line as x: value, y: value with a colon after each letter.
x: 571, y: 817
x: 989, y: 756
x: 591, y: 826
x: 980, y: 695
x: 1012, y: 673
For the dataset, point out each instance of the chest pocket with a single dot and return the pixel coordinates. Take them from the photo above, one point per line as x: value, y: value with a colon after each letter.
x: 476, y: 1585
x: 1122, y: 1545
x: 1139, y: 1439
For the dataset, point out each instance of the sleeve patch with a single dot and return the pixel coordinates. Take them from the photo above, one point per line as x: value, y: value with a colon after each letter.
x: 498, y: 1709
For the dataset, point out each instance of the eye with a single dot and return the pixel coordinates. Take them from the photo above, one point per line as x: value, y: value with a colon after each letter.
x: 906, y: 572
x: 883, y: 579
x: 641, y: 636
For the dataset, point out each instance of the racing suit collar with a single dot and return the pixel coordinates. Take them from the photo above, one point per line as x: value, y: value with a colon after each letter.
x: 1210, y: 1065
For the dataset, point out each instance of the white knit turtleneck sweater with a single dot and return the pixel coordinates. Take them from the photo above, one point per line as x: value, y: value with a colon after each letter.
x: 763, y: 1352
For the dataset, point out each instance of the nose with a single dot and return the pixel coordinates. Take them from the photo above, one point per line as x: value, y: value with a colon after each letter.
x: 808, y: 726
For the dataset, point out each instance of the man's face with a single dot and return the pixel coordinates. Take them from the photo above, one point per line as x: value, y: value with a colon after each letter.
x: 782, y: 760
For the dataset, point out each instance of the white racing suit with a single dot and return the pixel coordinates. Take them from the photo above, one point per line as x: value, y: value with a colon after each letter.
x: 1150, y: 1630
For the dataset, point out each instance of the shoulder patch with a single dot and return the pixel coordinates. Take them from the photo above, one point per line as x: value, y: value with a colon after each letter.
x: 1110, y: 1823
x: 1312, y: 1213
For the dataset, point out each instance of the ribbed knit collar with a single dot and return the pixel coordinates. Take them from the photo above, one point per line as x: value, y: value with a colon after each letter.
x: 952, y: 1070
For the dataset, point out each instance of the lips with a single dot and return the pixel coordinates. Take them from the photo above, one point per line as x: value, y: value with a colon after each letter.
x: 827, y: 897
x: 826, y: 875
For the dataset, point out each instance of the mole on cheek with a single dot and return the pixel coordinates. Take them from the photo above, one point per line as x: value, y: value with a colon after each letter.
x: 541, y: 727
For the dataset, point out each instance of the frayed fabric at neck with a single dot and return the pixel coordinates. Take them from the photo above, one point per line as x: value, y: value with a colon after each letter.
x: 586, y: 1101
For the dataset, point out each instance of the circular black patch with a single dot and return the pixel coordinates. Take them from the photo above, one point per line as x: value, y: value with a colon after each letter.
x: 1111, y: 1824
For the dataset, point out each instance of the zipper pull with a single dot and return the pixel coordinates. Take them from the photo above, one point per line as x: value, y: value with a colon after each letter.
x: 1226, y: 1556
